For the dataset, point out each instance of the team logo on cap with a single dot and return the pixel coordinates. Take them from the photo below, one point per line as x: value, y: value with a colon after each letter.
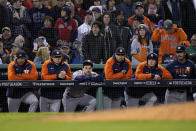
x: 179, y: 47
x: 152, y: 55
x: 20, y: 54
x: 121, y: 50
x: 57, y: 53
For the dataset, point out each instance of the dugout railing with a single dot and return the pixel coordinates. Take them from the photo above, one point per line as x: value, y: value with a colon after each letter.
x: 98, y: 92
x: 107, y: 83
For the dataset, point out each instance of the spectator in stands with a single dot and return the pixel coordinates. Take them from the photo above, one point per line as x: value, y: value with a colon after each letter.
x: 39, y: 42
x: 93, y: 44
x: 22, y: 44
x: 137, y: 20
x: 154, y: 11
x: 46, y: 4
x: 110, y: 6
x: 191, y: 50
x: 4, y: 15
x: 21, y: 69
x: 150, y: 69
x: 112, y: 38
x: 139, y: 10
x: 97, y: 14
x: 127, y: 6
x: 37, y: 13
x: 56, y: 10
x: 172, y: 10
x: 68, y: 55
x: 141, y: 46
x: 53, y: 69
x: 67, y: 26
x: 77, y: 96
x: 181, y: 68
x: 7, y: 38
x: 14, y: 50
x: 4, y: 53
x: 170, y: 37
x: 79, y: 9
x: 20, y: 18
x: 42, y: 55
x: 116, y: 67
x: 188, y: 14
x: 85, y: 28
x: 49, y: 32
x: 125, y: 30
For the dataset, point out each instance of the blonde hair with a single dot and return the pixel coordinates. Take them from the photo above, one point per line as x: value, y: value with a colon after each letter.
x: 43, y: 53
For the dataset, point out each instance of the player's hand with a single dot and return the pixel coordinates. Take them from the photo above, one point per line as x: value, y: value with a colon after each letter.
x: 62, y: 74
x: 157, y: 77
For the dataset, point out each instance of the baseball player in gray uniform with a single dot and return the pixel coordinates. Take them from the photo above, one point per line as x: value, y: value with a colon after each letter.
x: 76, y: 96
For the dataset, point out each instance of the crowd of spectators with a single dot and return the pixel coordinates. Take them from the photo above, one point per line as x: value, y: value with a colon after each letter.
x: 71, y: 24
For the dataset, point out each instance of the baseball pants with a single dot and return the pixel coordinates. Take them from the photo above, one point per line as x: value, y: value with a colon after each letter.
x: 175, y: 96
x: 70, y: 103
x: 49, y: 105
x: 28, y: 98
x: 109, y: 103
x: 149, y: 99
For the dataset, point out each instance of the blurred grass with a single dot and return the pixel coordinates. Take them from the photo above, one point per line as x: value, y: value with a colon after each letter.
x: 31, y: 122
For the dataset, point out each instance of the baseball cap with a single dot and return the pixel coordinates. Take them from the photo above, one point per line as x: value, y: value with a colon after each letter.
x: 120, y: 51
x: 21, y: 54
x: 88, y: 12
x: 6, y: 28
x: 16, y: 45
x: 180, y: 48
x: 88, y: 62
x: 152, y: 56
x: 56, y: 53
x: 139, y: 4
x: 142, y: 26
x: 168, y: 24
x: 96, y: 9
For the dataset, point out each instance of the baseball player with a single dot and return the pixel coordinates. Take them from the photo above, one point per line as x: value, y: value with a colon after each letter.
x: 53, y: 69
x: 116, y: 67
x: 146, y: 70
x: 77, y: 95
x: 181, y: 68
x: 21, y: 69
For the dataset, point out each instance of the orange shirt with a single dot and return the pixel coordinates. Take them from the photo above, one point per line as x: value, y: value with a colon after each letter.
x: 146, y: 21
x: 168, y: 42
x: 109, y: 73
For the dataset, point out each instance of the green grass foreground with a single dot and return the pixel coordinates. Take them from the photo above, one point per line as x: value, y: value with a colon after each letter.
x: 31, y: 122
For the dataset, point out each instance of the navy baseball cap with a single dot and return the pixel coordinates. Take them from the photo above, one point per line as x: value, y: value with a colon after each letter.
x: 152, y: 56
x: 96, y: 9
x: 88, y: 62
x: 56, y: 53
x: 139, y: 4
x: 21, y: 54
x: 180, y: 48
x: 120, y: 51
